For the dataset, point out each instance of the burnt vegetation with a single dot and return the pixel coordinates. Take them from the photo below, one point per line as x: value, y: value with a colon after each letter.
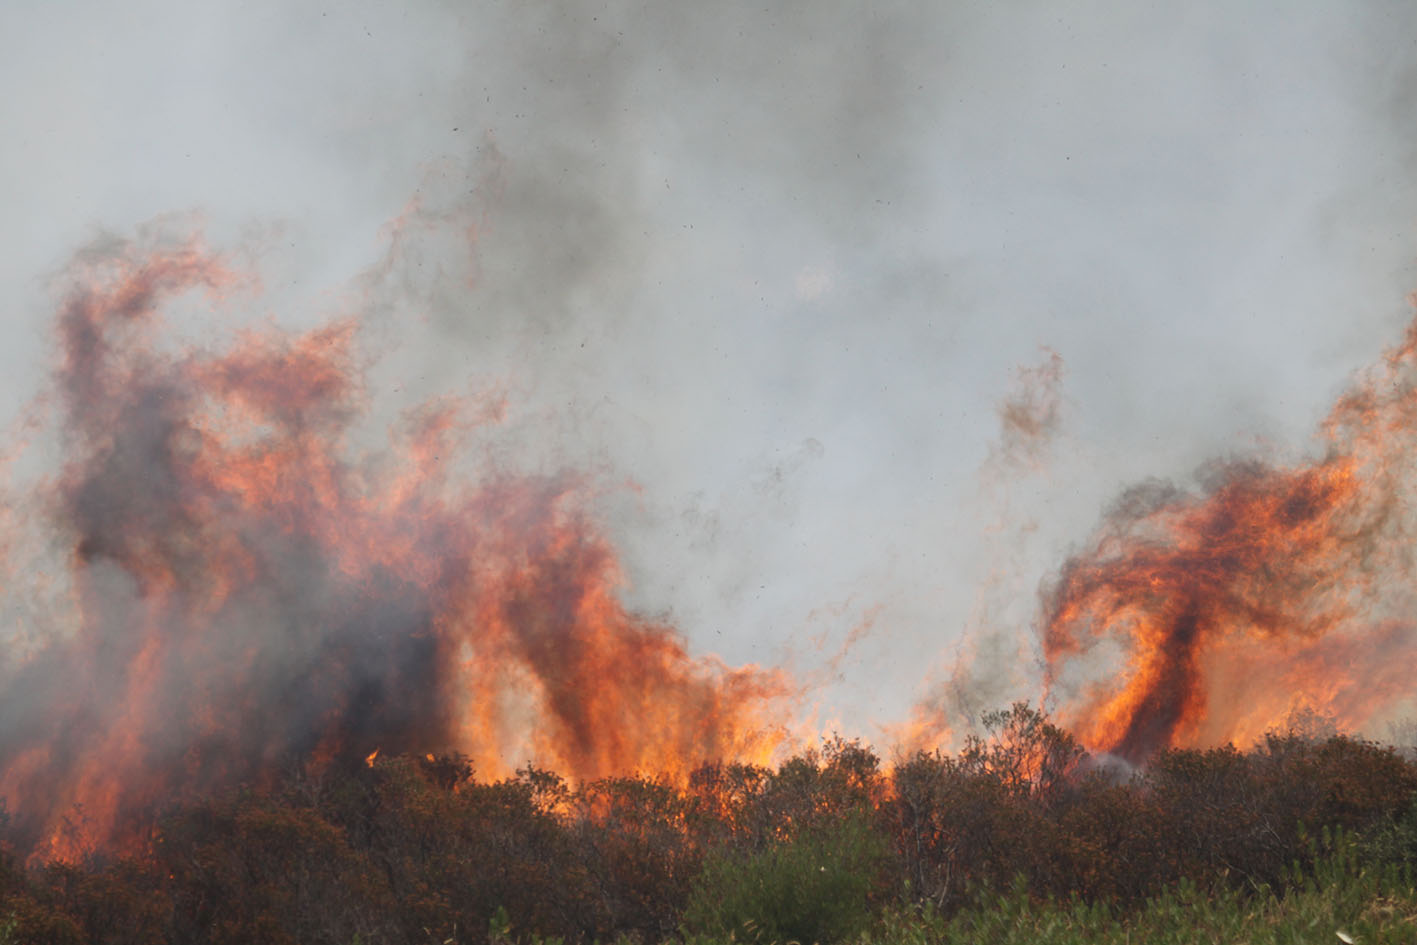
x: 418, y: 849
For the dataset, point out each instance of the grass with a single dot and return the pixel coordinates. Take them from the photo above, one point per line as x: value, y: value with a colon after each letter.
x: 1342, y: 901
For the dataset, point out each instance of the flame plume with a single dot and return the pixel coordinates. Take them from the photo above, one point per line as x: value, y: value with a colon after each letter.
x: 1275, y: 590
x: 250, y: 594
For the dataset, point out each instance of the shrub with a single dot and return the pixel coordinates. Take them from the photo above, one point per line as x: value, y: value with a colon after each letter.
x: 813, y: 888
x: 1395, y: 841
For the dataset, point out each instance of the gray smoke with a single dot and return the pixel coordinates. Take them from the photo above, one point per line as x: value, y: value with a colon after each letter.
x: 686, y: 240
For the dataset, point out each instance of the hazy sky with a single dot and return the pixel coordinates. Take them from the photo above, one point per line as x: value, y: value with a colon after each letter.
x: 778, y: 265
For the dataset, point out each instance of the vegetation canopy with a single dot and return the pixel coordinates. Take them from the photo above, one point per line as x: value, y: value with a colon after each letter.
x: 1019, y: 836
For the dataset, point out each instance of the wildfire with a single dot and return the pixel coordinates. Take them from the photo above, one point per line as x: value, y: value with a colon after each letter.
x: 251, y: 592
x: 1275, y: 589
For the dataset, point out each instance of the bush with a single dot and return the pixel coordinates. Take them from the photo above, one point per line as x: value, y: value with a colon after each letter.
x: 1395, y: 841
x: 814, y: 888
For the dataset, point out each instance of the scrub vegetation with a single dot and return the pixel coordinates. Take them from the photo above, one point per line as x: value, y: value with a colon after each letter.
x: 1018, y: 837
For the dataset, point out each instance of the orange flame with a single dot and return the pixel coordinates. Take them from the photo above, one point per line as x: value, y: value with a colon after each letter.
x: 1276, y: 589
x: 252, y: 593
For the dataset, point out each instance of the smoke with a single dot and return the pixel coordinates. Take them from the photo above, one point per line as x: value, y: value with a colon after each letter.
x: 1029, y: 416
x: 745, y: 282
x: 994, y: 661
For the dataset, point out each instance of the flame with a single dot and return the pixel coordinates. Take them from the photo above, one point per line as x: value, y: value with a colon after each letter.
x: 1275, y: 590
x: 251, y: 592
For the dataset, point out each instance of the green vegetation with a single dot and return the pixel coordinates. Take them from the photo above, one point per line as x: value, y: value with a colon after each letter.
x: 1368, y: 905
x: 813, y: 888
x: 1017, y: 838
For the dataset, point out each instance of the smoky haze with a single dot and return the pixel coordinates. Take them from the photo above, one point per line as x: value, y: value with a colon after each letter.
x: 769, y: 273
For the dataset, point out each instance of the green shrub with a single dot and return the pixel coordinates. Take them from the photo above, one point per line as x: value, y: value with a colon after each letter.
x: 813, y: 888
x: 1395, y: 841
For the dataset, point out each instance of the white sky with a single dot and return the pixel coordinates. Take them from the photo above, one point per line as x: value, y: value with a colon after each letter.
x: 777, y: 265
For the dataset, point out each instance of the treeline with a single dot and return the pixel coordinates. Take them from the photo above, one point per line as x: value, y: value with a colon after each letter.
x: 418, y: 850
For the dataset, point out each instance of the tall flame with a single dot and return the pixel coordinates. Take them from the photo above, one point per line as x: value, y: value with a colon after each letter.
x: 251, y: 592
x: 1275, y: 589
